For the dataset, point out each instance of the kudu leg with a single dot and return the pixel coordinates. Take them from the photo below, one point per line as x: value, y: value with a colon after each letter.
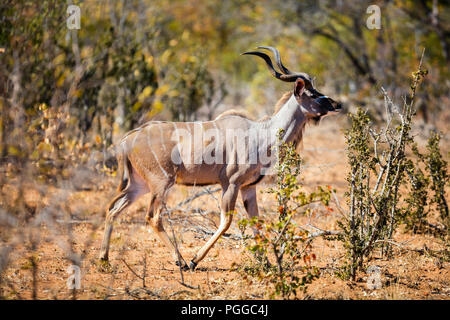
x: 155, y: 220
x: 117, y: 205
x: 125, y: 198
x: 248, y: 195
x: 229, y: 195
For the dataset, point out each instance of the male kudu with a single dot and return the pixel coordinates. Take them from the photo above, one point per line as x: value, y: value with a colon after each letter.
x: 232, y: 151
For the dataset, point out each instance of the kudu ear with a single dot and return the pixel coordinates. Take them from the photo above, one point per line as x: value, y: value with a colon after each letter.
x: 299, y: 87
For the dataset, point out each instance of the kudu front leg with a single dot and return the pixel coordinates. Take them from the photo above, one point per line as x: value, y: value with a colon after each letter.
x: 229, y: 195
x: 248, y: 195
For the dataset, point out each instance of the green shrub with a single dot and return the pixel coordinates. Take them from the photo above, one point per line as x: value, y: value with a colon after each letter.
x: 281, y: 250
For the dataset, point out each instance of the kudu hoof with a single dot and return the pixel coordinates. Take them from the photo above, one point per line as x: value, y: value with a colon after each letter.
x: 184, y: 266
x: 192, y: 265
x: 103, y: 265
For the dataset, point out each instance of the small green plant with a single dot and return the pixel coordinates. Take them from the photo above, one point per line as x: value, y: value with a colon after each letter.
x: 280, y: 249
x: 417, y: 205
x: 437, y: 169
x: 421, y: 183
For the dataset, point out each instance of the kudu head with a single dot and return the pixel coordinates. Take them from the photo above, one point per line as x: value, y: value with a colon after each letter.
x: 313, y: 103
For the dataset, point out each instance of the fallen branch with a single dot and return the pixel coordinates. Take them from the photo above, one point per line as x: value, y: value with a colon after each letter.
x: 135, y: 273
x: 319, y: 233
x: 133, y: 293
x: 210, y: 233
x: 425, y: 250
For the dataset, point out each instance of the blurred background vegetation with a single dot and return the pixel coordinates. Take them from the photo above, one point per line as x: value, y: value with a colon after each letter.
x: 65, y: 91
x: 66, y: 96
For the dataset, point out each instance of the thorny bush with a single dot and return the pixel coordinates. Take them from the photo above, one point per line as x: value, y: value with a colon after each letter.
x: 379, y: 167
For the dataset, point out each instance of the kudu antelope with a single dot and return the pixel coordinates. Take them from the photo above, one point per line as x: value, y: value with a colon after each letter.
x: 232, y: 151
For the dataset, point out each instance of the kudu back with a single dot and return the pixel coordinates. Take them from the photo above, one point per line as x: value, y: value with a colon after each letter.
x: 233, y: 151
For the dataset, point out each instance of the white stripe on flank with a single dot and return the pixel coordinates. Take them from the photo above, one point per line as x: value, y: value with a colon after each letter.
x: 138, y: 130
x: 149, y: 141
x: 161, y: 137
x: 189, y: 128
x: 176, y: 131
x: 159, y: 164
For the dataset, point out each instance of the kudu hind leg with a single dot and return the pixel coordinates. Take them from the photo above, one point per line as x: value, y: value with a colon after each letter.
x: 154, y: 218
x: 229, y: 197
x: 135, y: 188
x: 117, y: 205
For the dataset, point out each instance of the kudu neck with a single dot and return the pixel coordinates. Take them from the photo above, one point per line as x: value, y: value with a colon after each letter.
x: 291, y: 119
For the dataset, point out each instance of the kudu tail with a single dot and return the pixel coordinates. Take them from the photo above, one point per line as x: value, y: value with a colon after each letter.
x: 124, y: 170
